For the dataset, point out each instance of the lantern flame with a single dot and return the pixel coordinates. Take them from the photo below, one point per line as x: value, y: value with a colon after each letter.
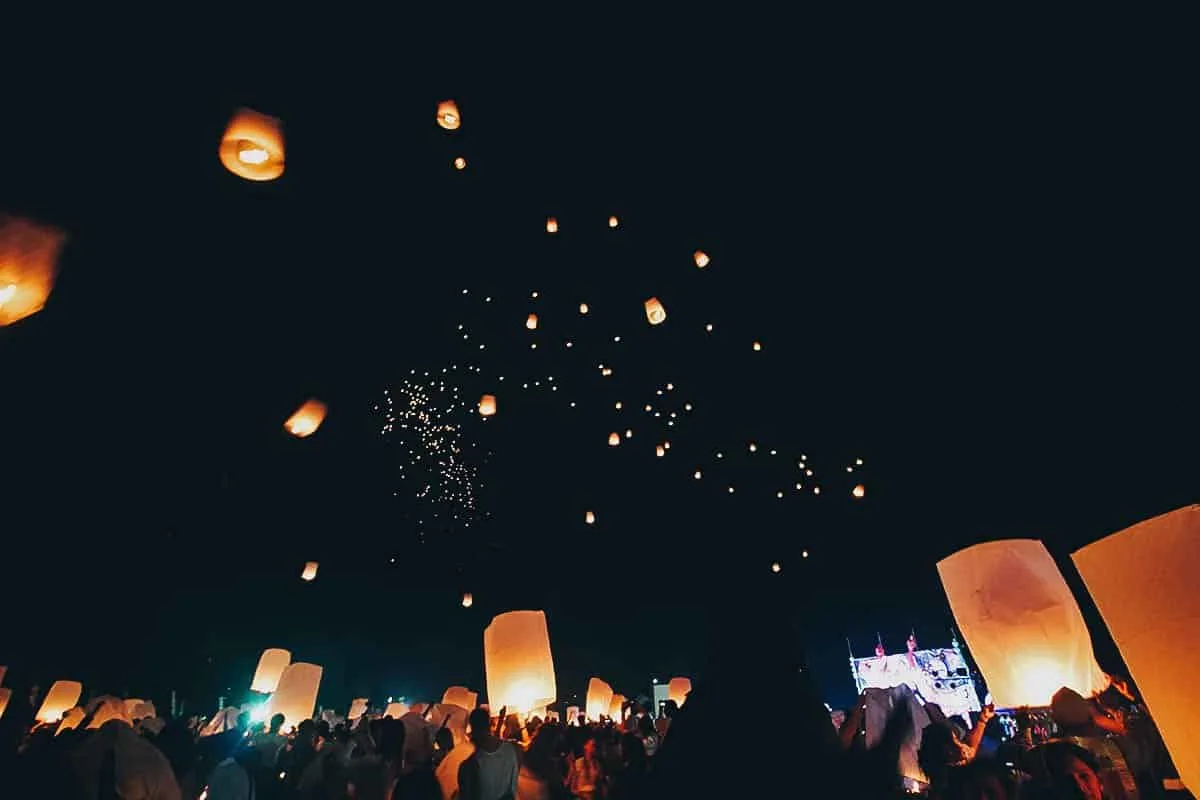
x: 253, y: 155
x: 307, y: 418
x: 252, y: 147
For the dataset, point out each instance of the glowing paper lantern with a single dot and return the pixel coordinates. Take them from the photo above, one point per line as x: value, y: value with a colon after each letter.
x: 252, y: 147
x: 599, y: 698
x: 460, y: 163
x: 358, y: 707
x: 296, y: 694
x: 677, y: 690
x: 589, y: 518
x: 551, y: 225
x: 659, y: 450
x: 583, y: 308
x: 468, y: 600
x: 859, y: 491
x: 531, y: 322
x: 310, y: 571
x: 460, y: 696
x: 1021, y: 622
x: 28, y: 263
x: 487, y: 405
x: 757, y: 346
x: 615, y: 706
x: 110, y: 708
x: 655, y: 311
x: 1143, y: 580
x: 701, y: 259
x: 306, y: 419
x: 448, y: 116
x: 518, y: 662
x: 62, y: 696
x: 395, y: 710
x: 614, y: 439
x: 612, y: 222
x: 71, y: 720
x: 775, y: 567
x: 5, y: 696
x: 271, y: 665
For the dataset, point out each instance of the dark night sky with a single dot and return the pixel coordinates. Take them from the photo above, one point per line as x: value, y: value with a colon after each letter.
x: 976, y: 276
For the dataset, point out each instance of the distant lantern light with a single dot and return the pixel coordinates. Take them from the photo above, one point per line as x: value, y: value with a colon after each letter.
x: 670, y: 387
x: 306, y: 419
x: 804, y: 554
x: 614, y: 439
x: 551, y: 225
x: 858, y: 462
x: 310, y: 571
x: 659, y: 450
x: 487, y: 405
x: 629, y: 433
x: 252, y: 146
x: 468, y: 600
x: 779, y: 495
x: 753, y: 447
x: 649, y: 407
x: 618, y: 405
x: 460, y: 163
x: 28, y: 263
x: 859, y: 491
x: 655, y: 312
x: 531, y: 322
x: 583, y: 308
x: 606, y: 371
x: 701, y: 258
x: 448, y: 116
x: 775, y: 567
x: 731, y: 490
x: 816, y: 490
x: 590, y: 518
x: 697, y: 474
x: 612, y: 222
x: 757, y: 346
x: 687, y: 406
x: 667, y: 445
x: 708, y: 327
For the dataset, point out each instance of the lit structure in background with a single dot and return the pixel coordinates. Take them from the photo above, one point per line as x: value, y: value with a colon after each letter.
x: 252, y: 147
x: 1020, y: 621
x: 271, y: 665
x: 306, y: 419
x: 939, y: 675
x: 63, y: 695
x: 28, y: 266
x: 296, y: 695
x: 599, y: 699
x: 518, y: 662
x: 448, y: 116
x: 1143, y: 580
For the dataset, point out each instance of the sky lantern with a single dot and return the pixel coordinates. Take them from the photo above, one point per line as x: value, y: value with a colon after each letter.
x: 358, y: 707
x: 1020, y: 621
x: 531, y: 322
x: 271, y: 664
x: 701, y: 258
x: 677, y: 690
x: 590, y: 518
x: 599, y: 699
x: 859, y: 491
x: 460, y: 696
x: 615, y: 706
x: 306, y: 419
x: 614, y: 439
x: 71, y: 720
x: 1143, y: 580
x: 448, y: 116
x: 612, y: 222
x: 296, y: 695
x: 5, y: 696
x: 655, y: 311
x: 310, y: 571
x: 460, y: 163
x: 28, y: 263
x: 775, y: 566
x: 583, y: 308
x: 659, y: 450
x: 757, y: 346
x: 252, y: 147
x: 468, y: 600
x: 395, y: 710
x: 63, y: 695
x: 108, y: 708
x: 551, y: 225
x: 487, y: 405
x: 518, y: 662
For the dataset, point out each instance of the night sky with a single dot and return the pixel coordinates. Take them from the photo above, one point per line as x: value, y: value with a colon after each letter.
x: 977, y: 278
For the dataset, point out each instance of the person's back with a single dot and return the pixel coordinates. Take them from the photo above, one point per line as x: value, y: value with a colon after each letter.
x: 490, y: 773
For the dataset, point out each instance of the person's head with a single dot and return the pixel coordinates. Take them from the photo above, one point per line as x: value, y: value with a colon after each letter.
x: 1118, y: 690
x: 1073, y: 771
x: 277, y: 721
x: 589, y: 747
x: 480, y: 723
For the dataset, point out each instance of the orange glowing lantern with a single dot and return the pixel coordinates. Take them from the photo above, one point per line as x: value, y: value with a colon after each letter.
x: 487, y: 405
x: 583, y: 308
x: 5, y: 696
x: 296, y: 695
x: 460, y: 696
x: 108, y: 708
x: 659, y: 450
x: 551, y: 225
x: 677, y: 690
x: 590, y: 518
x: 518, y: 662
x: 1020, y: 621
x: 701, y: 259
x: 28, y: 259
x: 859, y: 491
x: 775, y: 567
x: 252, y: 147
x: 655, y: 311
x: 358, y: 707
x: 460, y: 163
x: 616, y: 706
x: 599, y: 699
x: 614, y: 439
x: 757, y: 346
x: 62, y: 696
x: 310, y: 571
x: 468, y: 600
x: 612, y: 222
x: 395, y: 710
x: 71, y: 720
x: 1143, y: 580
x: 531, y: 322
x: 448, y: 116
x: 271, y: 665
x: 306, y: 419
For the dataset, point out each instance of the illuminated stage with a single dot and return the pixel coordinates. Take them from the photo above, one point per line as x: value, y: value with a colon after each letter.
x: 938, y: 676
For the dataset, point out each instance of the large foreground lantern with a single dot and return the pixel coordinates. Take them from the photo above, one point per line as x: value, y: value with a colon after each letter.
x: 306, y: 419
x: 252, y: 147
x: 655, y: 311
x: 677, y: 690
x: 518, y: 662
x: 271, y: 664
x: 71, y: 720
x: 599, y: 698
x: 28, y: 263
x: 448, y: 116
x: 296, y: 695
x: 487, y: 405
x: 1020, y: 621
x: 460, y: 696
x: 62, y: 696
x: 1143, y: 580
x: 310, y: 571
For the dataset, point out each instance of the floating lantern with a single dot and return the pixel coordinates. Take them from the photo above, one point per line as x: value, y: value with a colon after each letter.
x: 63, y: 695
x: 701, y: 259
x: 28, y: 259
x: 1020, y: 621
x: 395, y: 710
x: 487, y: 405
x: 306, y: 419
x: 775, y: 567
x: 616, y: 707
x: 590, y: 518
x: 5, y: 696
x: 599, y: 699
x: 448, y: 116
x: 468, y: 600
x: 358, y: 707
x: 1143, y: 580
x: 612, y: 222
x: 296, y: 695
x: 659, y: 450
x: 655, y: 311
x: 518, y: 662
x: 629, y: 433
x: 859, y: 491
x: 271, y: 665
x: 551, y: 225
x: 614, y: 439
x: 531, y: 322
x: 108, y: 708
x: 757, y: 346
x: 697, y: 474
x: 583, y: 308
x: 677, y: 690
x: 310, y: 571
x: 71, y: 720
x: 460, y: 163
x: 252, y: 147
x: 460, y: 696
